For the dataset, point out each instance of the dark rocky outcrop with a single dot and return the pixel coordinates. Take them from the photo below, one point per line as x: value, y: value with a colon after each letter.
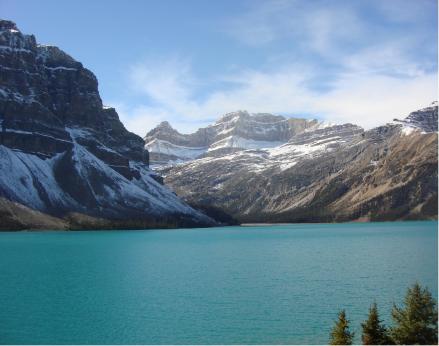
x: 44, y: 90
x: 62, y: 152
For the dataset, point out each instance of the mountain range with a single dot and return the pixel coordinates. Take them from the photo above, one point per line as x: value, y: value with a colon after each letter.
x: 266, y: 168
x: 67, y: 161
x: 232, y: 132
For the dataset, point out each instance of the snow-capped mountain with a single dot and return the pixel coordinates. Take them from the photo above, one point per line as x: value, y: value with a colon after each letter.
x: 232, y: 132
x: 334, y: 173
x: 424, y: 120
x: 309, y: 143
x: 62, y: 153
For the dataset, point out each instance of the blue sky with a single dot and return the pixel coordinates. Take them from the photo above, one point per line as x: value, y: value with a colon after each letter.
x: 189, y: 62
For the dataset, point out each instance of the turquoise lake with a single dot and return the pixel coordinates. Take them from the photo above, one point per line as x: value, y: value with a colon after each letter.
x: 280, y: 284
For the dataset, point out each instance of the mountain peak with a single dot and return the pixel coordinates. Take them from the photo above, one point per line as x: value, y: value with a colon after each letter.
x: 425, y: 119
x: 232, y: 116
x: 165, y: 124
x: 8, y: 25
x: 234, y: 131
x: 163, y: 128
x: 65, y: 152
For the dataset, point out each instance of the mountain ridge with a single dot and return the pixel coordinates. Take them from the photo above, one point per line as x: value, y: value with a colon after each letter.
x: 72, y: 164
x: 339, y: 173
x: 231, y: 132
x: 68, y: 156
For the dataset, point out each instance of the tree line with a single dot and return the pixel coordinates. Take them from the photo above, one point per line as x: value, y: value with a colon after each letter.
x: 413, y: 323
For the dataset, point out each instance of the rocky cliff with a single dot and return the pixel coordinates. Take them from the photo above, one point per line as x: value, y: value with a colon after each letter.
x: 323, y: 174
x: 232, y: 132
x: 62, y: 153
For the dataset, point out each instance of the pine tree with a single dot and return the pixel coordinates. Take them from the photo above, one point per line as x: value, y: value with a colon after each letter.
x: 374, y: 332
x: 416, y: 322
x: 340, y: 334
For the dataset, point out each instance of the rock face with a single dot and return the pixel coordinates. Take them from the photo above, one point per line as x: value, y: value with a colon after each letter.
x: 425, y: 120
x: 232, y: 132
x: 336, y: 173
x: 63, y: 153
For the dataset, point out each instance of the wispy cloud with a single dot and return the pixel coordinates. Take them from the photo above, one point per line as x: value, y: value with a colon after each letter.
x: 367, y: 98
x: 370, y: 75
x: 308, y: 25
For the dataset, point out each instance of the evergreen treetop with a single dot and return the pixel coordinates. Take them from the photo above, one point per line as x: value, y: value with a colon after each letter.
x: 374, y: 332
x: 416, y: 322
x: 340, y: 334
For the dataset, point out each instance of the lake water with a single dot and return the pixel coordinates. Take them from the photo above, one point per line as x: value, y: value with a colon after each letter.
x: 245, y: 285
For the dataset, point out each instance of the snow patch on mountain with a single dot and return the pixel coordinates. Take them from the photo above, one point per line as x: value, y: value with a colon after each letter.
x: 284, y: 156
x: 242, y: 143
x: 233, y: 131
x: 30, y: 180
x: 164, y: 147
x: 424, y: 121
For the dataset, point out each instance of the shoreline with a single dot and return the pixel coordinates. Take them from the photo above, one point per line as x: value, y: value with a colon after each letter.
x: 256, y: 224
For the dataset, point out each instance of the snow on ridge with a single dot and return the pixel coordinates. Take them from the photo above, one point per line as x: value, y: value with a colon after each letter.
x: 82, y: 132
x: 19, y: 69
x: 135, y: 192
x: 240, y: 130
x: 160, y: 146
x: 432, y: 105
x: 14, y: 49
x: 32, y: 182
x: 35, y: 134
x: 280, y: 157
x: 10, y: 30
x: 76, y: 132
x: 24, y: 169
x: 166, y: 196
x: 320, y: 125
x: 155, y: 140
x: 298, y: 149
x: 18, y: 97
x: 56, y: 68
x: 407, y: 130
x: 243, y: 143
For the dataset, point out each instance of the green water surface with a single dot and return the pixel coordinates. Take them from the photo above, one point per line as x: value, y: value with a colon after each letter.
x: 280, y: 284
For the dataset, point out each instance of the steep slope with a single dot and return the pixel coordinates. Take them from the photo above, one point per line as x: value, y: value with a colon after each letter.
x: 424, y: 120
x: 15, y: 216
x: 63, y: 153
x: 338, y: 173
x: 232, y: 132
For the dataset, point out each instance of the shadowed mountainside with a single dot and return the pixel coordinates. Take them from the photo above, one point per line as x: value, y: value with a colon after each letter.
x: 64, y: 154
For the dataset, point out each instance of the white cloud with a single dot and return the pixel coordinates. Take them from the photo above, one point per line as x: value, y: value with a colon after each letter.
x: 168, y: 80
x: 374, y: 100
x: 140, y: 119
x: 375, y: 75
x: 308, y: 25
x: 366, y: 98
